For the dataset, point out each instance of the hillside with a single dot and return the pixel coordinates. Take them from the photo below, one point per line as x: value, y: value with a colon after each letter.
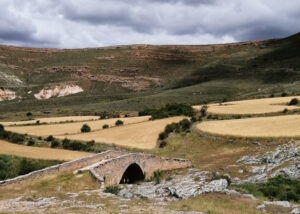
x: 130, y: 78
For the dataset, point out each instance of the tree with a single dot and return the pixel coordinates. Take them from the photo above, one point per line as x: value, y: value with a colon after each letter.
x: 85, y: 128
x: 28, y: 114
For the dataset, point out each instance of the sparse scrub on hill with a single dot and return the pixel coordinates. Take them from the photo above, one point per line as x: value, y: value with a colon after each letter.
x: 119, y: 123
x: 294, y: 101
x: 12, y: 166
x: 168, y: 111
x: 85, y: 128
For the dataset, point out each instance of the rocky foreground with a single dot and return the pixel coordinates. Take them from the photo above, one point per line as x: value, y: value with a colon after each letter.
x: 284, y: 160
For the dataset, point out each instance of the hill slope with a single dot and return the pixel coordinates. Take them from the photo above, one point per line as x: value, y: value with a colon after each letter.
x: 132, y: 77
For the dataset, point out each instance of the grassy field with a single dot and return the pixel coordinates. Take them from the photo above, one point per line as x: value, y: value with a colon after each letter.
x: 52, y: 120
x: 276, y: 126
x: 255, y: 106
x: 39, y: 153
x: 71, y: 128
x: 141, y: 135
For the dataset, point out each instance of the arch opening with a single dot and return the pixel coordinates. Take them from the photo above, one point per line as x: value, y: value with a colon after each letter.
x: 132, y: 174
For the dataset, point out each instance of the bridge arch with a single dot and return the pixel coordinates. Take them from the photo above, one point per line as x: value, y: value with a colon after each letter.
x: 132, y: 173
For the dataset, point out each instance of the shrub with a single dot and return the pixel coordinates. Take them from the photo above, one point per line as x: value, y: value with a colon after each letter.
x: 1, y: 128
x: 28, y: 114
x: 284, y: 94
x: 171, y: 128
x: 119, y: 122
x: 162, y: 144
x: 78, y: 146
x: 66, y: 143
x: 294, y: 101
x: 285, y: 110
x: 49, y: 138
x: 162, y: 136
x: 90, y: 145
x: 216, y: 176
x: 16, y: 138
x: 203, y: 111
x: 85, y: 128
x: 157, y: 176
x: 185, y: 124
x: 37, y: 122
x: 54, y: 144
x: 105, y: 126
x: 30, y: 142
x: 114, y: 189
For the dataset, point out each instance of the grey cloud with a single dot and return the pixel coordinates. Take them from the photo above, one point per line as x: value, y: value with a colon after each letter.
x: 87, y: 23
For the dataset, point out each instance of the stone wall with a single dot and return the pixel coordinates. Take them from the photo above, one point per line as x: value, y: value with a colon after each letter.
x: 111, y: 171
x: 71, y: 165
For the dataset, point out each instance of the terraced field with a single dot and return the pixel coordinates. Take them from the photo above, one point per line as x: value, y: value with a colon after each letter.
x: 276, y: 126
x: 256, y: 106
x: 140, y: 135
x: 40, y: 153
x: 71, y: 128
x: 52, y: 120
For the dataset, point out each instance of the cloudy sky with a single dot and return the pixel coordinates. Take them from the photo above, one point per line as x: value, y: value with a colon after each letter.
x: 91, y: 23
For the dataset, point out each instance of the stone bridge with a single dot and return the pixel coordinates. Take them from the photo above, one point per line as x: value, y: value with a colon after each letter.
x: 132, y: 167
x: 110, y: 167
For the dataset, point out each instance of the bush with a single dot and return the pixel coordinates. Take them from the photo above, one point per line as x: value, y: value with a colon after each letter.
x: 203, y: 111
x: 30, y: 142
x: 37, y: 122
x: 54, y: 144
x: 185, y: 124
x: 157, y: 176
x: 90, y: 145
x: 284, y: 94
x: 294, y: 101
x: 162, y: 144
x: 162, y: 136
x: 66, y: 143
x: 15, y: 138
x: 285, y: 110
x: 49, y: 138
x: 28, y: 114
x: 173, y: 127
x: 119, y: 122
x: 114, y: 189
x: 1, y: 128
x: 85, y: 128
x: 105, y: 126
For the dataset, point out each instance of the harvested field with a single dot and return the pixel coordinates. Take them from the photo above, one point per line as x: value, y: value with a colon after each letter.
x: 257, y: 106
x: 143, y: 135
x: 277, y: 126
x: 71, y: 128
x: 52, y: 120
x: 39, y: 153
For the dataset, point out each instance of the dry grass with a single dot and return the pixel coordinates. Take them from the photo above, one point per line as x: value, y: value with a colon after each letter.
x: 71, y: 128
x: 52, y: 120
x: 277, y: 126
x: 142, y: 135
x: 217, y: 203
x: 39, y: 153
x: 257, y: 106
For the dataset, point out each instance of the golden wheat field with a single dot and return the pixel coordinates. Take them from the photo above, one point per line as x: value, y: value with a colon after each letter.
x: 71, y: 128
x: 52, y: 120
x: 40, y: 153
x: 277, y: 126
x: 142, y: 135
x: 256, y: 106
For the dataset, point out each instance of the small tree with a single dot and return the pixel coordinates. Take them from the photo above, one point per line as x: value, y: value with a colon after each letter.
x: 66, y: 143
x: 294, y: 101
x: 30, y: 142
x: 85, y: 128
x: 162, y: 144
x: 119, y: 123
x: 284, y: 94
x: 105, y: 126
x: 203, y: 111
x: 1, y: 128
